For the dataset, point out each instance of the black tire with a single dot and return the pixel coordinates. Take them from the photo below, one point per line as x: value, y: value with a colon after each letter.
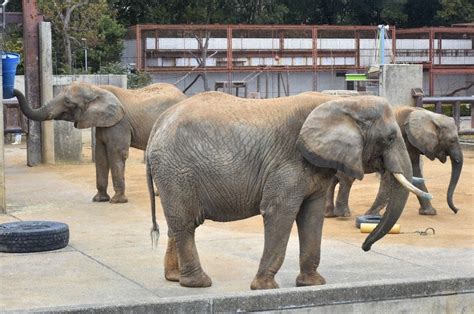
x: 33, y: 236
x: 371, y: 219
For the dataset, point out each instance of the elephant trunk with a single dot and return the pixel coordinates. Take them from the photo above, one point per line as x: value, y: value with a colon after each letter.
x: 455, y: 154
x: 40, y: 114
x: 395, y: 162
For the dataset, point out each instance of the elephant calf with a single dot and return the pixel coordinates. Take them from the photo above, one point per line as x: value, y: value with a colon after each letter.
x: 425, y: 133
x: 122, y: 118
x: 219, y: 157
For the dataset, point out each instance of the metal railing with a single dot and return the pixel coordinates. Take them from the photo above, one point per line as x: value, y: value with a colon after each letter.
x: 455, y: 102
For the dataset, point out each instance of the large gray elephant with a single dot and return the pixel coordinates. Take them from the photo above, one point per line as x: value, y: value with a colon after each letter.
x: 425, y: 133
x: 219, y: 157
x: 122, y: 118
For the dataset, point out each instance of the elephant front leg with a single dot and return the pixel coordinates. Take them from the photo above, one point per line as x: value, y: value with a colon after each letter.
x: 381, y: 200
x: 329, y: 205
x: 310, y: 224
x: 101, y: 173
x: 425, y: 205
x: 117, y: 158
x: 342, y: 200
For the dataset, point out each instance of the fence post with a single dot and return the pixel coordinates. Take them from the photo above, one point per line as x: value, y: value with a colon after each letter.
x: 457, y: 113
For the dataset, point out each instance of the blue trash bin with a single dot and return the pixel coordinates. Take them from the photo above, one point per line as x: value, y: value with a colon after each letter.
x: 10, y: 61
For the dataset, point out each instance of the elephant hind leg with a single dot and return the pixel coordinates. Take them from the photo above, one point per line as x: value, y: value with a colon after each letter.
x: 171, y: 260
x: 182, y: 224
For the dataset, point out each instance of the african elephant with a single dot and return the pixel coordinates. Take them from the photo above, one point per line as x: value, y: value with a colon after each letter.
x: 122, y: 118
x: 425, y: 133
x: 219, y: 157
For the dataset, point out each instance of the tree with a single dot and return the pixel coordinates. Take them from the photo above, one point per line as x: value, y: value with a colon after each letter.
x: 72, y: 21
x: 109, y: 45
x: 455, y: 11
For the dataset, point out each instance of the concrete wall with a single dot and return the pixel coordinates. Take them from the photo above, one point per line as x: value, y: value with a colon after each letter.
x: 397, y: 80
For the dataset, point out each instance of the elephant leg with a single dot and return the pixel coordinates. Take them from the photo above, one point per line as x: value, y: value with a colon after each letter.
x: 101, y: 173
x: 342, y: 200
x: 190, y: 272
x: 329, y: 205
x: 171, y: 260
x: 279, y: 209
x: 382, y: 198
x: 310, y: 224
x: 117, y: 157
x: 425, y: 205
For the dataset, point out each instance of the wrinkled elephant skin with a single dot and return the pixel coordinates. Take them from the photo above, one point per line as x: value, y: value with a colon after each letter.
x: 219, y: 157
x: 122, y: 118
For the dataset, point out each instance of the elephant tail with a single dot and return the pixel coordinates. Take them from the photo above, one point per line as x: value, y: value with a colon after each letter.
x: 155, y: 230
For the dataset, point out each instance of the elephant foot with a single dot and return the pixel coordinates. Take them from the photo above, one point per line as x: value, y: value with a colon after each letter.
x: 329, y: 212
x: 337, y: 212
x: 342, y: 211
x: 172, y: 275
x: 119, y: 198
x: 309, y: 280
x: 100, y: 197
x: 260, y: 283
x: 429, y: 211
x: 197, y: 281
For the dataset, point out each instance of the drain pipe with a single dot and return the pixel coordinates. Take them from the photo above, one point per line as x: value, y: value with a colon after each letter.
x: 4, y: 4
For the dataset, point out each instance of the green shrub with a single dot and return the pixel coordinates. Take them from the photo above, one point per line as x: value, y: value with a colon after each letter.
x: 447, y: 109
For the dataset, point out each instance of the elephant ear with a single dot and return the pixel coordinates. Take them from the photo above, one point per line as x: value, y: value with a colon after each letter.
x: 331, y: 138
x: 422, y: 132
x: 103, y: 109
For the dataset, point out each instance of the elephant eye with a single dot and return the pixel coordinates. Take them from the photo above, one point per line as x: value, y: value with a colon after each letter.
x: 390, y: 139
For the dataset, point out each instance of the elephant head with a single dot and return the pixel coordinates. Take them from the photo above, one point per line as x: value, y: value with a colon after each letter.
x: 359, y: 135
x: 436, y: 136
x: 84, y: 104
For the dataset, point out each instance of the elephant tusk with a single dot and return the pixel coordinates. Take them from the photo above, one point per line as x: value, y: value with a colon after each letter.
x: 410, y: 187
x: 417, y: 180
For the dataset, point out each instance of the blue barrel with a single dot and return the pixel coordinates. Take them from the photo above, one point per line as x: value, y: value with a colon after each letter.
x: 9, y: 62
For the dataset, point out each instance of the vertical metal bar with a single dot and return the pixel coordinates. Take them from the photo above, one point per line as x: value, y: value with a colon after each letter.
x: 287, y: 83
x: 439, y: 48
x: 31, y: 19
x: 472, y: 115
x: 278, y: 81
x: 229, y: 59
x: 430, y: 66
x: 457, y: 113
x: 357, y: 47
x: 439, y: 107
x: 314, y: 54
x: 266, y: 84
x: 138, y: 46
x: 394, y: 45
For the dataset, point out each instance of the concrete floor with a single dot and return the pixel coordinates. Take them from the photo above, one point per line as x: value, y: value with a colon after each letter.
x: 109, y: 262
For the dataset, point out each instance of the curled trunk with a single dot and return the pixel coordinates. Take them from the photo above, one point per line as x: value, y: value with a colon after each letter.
x: 40, y: 114
x: 455, y: 154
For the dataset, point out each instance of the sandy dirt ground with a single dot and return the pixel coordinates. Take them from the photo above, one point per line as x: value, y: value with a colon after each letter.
x: 452, y: 230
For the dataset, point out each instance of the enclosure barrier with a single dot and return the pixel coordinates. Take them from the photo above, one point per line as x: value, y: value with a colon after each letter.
x: 455, y: 102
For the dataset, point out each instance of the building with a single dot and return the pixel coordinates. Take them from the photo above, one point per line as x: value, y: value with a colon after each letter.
x: 273, y: 60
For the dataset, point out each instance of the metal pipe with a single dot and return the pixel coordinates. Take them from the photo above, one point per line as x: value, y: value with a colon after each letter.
x: 4, y: 4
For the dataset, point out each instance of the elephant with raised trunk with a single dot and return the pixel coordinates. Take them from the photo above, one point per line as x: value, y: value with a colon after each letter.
x: 425, y: 133
x: 219, y: 157
x: 123, y: 118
